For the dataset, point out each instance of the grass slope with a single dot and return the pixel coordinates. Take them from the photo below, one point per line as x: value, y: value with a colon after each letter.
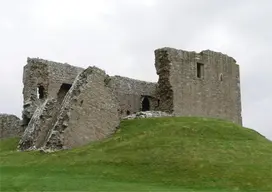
x: 163, y: 154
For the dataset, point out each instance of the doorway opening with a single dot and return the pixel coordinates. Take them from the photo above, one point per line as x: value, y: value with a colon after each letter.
x: 145, y: 104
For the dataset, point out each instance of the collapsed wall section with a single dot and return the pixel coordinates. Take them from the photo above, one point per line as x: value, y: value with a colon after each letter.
x: 134, y: 95
x: 40, y: 124
x: 10, y: 126
x: 42, y: 79
x: 165, y: 89
x: 89, y: 112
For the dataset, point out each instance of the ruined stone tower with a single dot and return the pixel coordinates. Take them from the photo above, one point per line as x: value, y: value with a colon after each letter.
x: 205, y: 84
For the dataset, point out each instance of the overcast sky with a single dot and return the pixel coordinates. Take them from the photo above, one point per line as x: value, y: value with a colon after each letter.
x: 120, y: 36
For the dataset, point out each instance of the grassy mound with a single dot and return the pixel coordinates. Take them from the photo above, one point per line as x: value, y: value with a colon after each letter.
x: 163, y: 154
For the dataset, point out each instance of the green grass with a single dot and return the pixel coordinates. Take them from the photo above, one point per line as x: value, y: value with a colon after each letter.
x: 163, y: 154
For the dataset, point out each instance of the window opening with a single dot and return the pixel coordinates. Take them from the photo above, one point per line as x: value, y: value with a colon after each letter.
x: 64, y: 88
x: 200, y: 70
x: 26, y: 120
x: 40, y: 92
x: 221, y: 77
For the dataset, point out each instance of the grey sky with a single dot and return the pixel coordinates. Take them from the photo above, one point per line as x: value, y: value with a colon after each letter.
x: 120, y: 36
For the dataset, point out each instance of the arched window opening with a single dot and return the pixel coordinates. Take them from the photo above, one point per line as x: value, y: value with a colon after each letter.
x: 40, y: 92
x: 145, y: 104
x: 64, y: 88
x: 221, y: 77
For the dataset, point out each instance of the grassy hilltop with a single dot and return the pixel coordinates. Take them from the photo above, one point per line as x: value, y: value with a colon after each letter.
x: 159, y: 154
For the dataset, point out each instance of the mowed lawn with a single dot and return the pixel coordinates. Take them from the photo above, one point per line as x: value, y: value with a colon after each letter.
x: 159, y: 154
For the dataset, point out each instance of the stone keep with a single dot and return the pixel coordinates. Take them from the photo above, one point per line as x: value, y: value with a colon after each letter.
x: 205, y: 84
x: 67, y: 106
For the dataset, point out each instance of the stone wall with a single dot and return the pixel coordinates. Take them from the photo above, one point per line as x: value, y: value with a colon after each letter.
x: 10, y: 126
x: 39, y: 126
x: 203, y: 84
x: 46, y: 76
x: 60, y: 74
x: 131, y: 92
x: 73, y: 106
x: 44, y: 115
x: 165, y: 88
x: 53, y: 76
x: 89, y: 112
x: 35, y: 76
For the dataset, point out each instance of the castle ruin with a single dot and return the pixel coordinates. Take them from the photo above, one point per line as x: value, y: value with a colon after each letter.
x: 67, y: 106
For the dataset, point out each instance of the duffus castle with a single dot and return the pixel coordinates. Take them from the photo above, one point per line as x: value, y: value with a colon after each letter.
x: 66, y: 106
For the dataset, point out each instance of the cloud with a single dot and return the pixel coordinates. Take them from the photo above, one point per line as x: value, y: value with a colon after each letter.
x: 68, y: 14
x: 120, y: 36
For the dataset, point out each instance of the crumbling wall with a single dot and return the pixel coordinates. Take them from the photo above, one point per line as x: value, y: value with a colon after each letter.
x: 40, y: 124
x: 35, y: 76
x: 130, y: 94
x: 78, y: 106
x: 10, y: 126
x: 201, y: 84
x: 60, y: 74
x: 165, y: 88
x: 48, y: 76
x: 89, y: 112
